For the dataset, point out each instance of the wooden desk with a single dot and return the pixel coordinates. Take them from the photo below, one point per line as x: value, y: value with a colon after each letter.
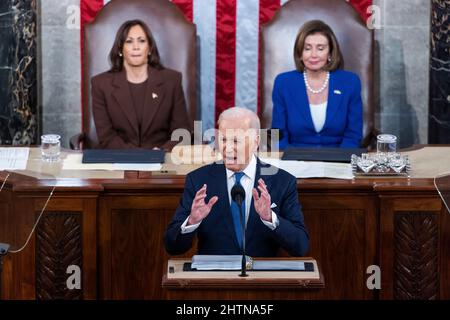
x: 113, y: 229
x: 262, y: 285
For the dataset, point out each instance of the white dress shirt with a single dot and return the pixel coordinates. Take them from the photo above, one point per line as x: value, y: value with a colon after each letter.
x: 318, y: 115
x: 247, y: 182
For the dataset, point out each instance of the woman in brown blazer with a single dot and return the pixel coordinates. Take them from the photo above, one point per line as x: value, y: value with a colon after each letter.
x: 137, y: 103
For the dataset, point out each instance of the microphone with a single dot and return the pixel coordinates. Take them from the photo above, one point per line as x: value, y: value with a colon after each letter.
x: 4, y: 247
x: 238, y: 196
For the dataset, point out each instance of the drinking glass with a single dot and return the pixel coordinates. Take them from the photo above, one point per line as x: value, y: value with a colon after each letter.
x: 386, y: 143
x: 365, y: 163
x: 50, y: 147
x: 397, y: 162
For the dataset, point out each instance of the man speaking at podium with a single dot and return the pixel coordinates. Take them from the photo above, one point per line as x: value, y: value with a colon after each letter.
x: 273, y: 217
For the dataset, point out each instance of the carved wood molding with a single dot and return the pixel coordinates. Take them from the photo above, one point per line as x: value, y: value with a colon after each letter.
x: 58, y: 245
x: 416, y: 256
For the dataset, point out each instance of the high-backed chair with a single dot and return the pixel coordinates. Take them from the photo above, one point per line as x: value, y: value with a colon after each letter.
x: 174, y: 36
x: 355, y: 40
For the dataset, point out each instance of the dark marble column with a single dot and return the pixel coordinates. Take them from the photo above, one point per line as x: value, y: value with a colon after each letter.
x: 439, y: 115
x: 18, y: 72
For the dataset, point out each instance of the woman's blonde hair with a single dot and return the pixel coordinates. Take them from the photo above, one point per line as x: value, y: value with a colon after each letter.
x: 314, y: 27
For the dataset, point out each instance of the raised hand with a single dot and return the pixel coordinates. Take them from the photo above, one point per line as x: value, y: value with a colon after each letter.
x: 262, y: 202
x: 200, y: 209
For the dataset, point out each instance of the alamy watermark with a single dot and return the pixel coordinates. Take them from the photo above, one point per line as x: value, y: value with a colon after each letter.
x: 232, y: 146
x: 73, y: 282
x: 374, y: 280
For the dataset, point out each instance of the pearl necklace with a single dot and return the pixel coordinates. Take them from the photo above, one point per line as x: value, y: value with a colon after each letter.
x: 325, y: 84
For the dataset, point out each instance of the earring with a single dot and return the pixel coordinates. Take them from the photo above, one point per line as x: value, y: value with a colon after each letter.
x: 120, y: 54
x: 329, y: 59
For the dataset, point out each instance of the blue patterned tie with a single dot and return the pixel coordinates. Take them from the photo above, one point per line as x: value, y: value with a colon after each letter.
x: 235, y: 211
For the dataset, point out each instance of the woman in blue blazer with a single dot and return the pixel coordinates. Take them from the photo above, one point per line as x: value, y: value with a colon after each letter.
x: 319, y: 104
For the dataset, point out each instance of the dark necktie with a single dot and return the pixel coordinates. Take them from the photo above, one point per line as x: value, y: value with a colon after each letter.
x: 235, y: 211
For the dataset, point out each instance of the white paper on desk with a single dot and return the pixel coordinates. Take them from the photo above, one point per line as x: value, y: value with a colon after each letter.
x: 13, y: 164
x: 73, y: 161
x: 313, y: 169
x: 14, y: 158
x: 137, y: 166
x: 15, y: 153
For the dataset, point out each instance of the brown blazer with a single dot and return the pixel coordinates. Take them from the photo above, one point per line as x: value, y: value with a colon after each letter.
x: 115, y: 117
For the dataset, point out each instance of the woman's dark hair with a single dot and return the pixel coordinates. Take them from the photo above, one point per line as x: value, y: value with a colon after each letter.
x: 314, y: 27
x: 121, y: 36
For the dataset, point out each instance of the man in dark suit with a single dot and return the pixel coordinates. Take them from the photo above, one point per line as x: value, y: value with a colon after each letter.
x: 272, y: 210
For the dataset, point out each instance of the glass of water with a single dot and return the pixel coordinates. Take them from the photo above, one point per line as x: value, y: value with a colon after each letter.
x: 365, y: 163
x: 386, y: 143
x: 50, y: 147
x: 397, y: 162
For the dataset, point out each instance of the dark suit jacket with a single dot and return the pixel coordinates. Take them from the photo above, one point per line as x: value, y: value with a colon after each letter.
x: 115, y: 117
x: 291, y: 113
x: 216, y: 233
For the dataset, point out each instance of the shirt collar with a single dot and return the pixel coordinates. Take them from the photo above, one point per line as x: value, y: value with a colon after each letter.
x: 249, y: 171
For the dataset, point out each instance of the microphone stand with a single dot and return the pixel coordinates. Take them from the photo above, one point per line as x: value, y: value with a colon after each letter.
x: 238, y: 195
x: 244, y: 261
x: 3, y: 251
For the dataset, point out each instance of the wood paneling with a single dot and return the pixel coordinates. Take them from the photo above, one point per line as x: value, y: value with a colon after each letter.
x: 139, y: 254
x: 343, y: 240
x: 36, y: 271
x: 398, y: 224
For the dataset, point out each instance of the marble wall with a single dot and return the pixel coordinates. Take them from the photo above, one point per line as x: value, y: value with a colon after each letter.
x: 19, y: 112
x: 60, y: 59
x: 403, y: 60
x: 403, y: 39
x: 439, y: 120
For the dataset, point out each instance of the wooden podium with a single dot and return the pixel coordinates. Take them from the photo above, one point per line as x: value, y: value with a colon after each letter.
x: 219, y: 285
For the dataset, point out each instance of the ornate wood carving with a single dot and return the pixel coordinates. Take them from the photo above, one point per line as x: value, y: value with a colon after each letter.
x: 58, y: 245
x: 416, y: 256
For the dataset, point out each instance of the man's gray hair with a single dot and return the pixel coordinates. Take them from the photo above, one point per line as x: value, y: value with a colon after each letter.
x: 239, y: 113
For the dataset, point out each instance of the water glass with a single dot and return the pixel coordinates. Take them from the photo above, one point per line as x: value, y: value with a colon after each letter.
x: 50, y: 147
x: 382, y: 162
x: 365, y: 163
x: 386, y: 143
x: 397, y: 162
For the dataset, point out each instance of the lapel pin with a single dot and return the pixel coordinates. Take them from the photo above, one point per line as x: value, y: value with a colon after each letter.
x: 154, y: 95
x: 337, y: 92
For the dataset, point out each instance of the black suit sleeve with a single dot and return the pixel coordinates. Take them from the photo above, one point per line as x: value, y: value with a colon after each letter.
x: 291, y: 232
x: 175, y: 241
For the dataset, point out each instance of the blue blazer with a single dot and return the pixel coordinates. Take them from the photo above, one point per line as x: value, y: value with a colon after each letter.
x: 216, y: 233
x: 291, y: 113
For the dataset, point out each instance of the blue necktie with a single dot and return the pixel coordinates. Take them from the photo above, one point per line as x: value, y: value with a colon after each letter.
x: 235, y: 211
